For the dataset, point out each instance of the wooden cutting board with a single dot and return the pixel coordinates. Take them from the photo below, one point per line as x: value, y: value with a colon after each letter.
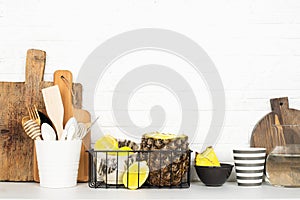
x: 16, y: 152
x: 64, y: 79
x: 83, y: 171
x: 277, y: 128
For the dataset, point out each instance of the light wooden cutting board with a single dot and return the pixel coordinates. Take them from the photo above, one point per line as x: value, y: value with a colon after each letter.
x: 83, y: 172
x: 64, y: 79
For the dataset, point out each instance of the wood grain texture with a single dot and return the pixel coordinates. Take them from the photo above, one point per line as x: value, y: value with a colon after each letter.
x: 277, y: 128
x: 16, y: 152
x: 83, y: 171
x: 63, y: 79
x: 55, y: 108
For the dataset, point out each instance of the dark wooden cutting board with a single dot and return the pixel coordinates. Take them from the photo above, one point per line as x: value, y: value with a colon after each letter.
x: 277, y: 128
x: 16, y: 152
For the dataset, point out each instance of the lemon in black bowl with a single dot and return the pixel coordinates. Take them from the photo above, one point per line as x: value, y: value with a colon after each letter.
x: 214, y: 176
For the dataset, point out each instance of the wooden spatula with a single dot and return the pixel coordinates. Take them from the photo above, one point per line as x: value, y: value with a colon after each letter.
x: 54, y: 107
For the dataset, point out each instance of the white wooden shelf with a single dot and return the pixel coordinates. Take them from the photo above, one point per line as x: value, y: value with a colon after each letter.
x: 229, y: 190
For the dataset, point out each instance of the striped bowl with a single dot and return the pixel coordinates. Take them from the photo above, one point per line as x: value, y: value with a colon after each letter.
x: 249, y: 165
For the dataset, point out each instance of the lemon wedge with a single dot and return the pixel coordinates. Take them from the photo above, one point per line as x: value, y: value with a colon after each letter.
x: 136, y: 175
x: 106, y: 142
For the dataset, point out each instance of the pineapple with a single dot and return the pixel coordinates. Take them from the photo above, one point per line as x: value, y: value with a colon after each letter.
x: 168, y: 160
x: 207, y: 158
x: 128, y: 143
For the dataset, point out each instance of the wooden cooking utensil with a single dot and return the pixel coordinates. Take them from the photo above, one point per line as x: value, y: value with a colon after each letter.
x: 54, y: 107
x: 34, y: 114
x: 31, y: 128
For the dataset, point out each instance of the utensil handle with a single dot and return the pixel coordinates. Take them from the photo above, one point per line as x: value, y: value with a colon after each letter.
x: 59, y: 130
x: 64, y: 79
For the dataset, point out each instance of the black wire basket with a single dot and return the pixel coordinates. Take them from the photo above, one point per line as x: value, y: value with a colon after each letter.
x: 167, y: 168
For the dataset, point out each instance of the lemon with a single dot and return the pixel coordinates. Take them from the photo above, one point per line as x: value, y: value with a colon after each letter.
x: 106, y: 142
x: 136, y: 175
x: 127, y: 151
x: 207, y: 158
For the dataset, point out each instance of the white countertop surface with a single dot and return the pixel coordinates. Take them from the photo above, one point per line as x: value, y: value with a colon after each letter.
x: 229, y: 190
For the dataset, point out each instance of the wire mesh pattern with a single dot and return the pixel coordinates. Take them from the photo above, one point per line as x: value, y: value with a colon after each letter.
x: 167, y: 168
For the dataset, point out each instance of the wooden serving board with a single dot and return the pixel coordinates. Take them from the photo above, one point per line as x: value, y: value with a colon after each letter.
x: 83, y: 171
x: 64, y: 80
x: 16, y: 152
x: 277, y: 128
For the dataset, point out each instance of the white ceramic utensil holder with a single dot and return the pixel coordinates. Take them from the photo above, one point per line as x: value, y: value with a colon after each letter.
x: 58, y: 162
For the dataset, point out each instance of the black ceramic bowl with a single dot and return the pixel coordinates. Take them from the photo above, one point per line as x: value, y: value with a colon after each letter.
x: 214, y: 176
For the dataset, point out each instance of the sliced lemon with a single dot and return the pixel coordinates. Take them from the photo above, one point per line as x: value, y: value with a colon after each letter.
x: 136, y: 175
x: 106, y: 142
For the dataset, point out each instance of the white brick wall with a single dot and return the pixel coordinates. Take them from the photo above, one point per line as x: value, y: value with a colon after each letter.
x: 255, y: 46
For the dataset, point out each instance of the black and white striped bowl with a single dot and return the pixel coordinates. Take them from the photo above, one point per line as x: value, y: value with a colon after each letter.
x: 249, y: 165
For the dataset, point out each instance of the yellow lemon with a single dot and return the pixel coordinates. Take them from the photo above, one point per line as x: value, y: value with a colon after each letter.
x: 106, y: 142
x: 136, y: 175
x: 127, y: 151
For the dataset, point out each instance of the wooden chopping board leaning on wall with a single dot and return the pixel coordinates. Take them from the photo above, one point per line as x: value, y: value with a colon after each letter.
x: 277, y: 128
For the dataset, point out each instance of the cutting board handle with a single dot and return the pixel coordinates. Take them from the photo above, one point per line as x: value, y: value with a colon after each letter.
x: 35, y: 66
x: 280, y: 106
x: 64, y: 79
x: 279, y: 103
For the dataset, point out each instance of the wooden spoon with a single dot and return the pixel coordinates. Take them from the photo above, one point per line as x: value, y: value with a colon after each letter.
x: 31, y: 128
